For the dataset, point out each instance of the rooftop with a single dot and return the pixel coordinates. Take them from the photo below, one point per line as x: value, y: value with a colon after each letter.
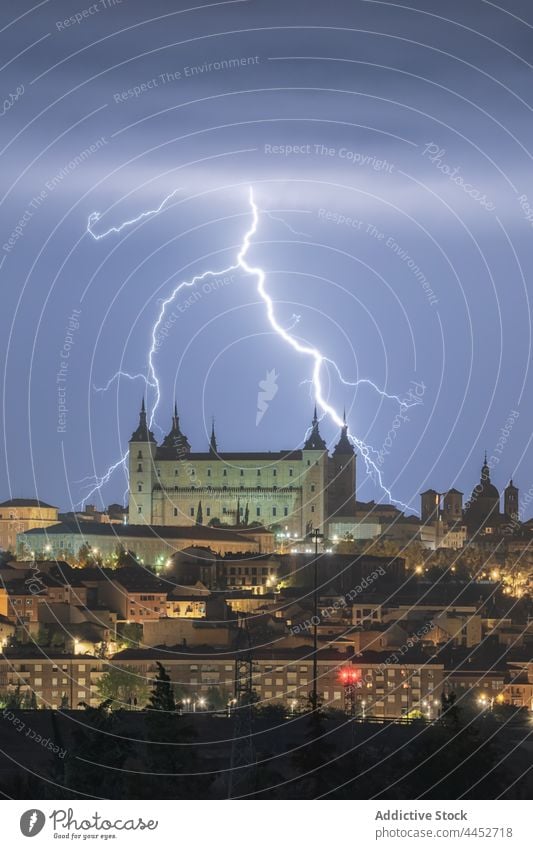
x: 26, y: 502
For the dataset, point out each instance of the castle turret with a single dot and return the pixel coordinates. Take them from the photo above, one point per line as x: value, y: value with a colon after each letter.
x: 314, y: 478
x: 141, y: 471
x: 341, y: 490
x: 175, y: 445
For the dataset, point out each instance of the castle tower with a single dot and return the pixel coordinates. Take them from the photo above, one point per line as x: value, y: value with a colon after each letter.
x: 510, y: 500
x: 341, y: 490
x: 142, y: 473
x: 314, y: 479
x: 452, y: 510
x: 429, y: 505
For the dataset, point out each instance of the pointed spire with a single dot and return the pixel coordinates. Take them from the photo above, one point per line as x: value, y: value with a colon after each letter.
x: 344, y: 446
x: 175, y: 443
x: 213, y: 441
x: 314, y: 441
x: 142, y: 434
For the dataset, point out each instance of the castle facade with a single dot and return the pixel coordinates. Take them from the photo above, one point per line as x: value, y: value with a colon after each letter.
x: 294, y: 491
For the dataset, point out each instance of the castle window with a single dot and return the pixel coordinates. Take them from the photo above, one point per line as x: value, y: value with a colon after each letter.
x: 274, y: 472
x: 259, y: 473
x: 309, y: 462
x: 209, y: 473
x: 139, y: 509
x: 257, y: 511
x: 139, y: 487
x: 224, y: 511
x: 285, y: 511
x: 176, y: 473
x: 312, y: 487
x: 139, y: 455
x: 273, y: 511
x: 225, y: 473
x: 208, y: 511
x: 313, y: 508
x: 192, y: 511
x: 175, y: 511
x: 139, y: 468
x: 242, y: 473
x: 290, y: 473
x: 158, y: 472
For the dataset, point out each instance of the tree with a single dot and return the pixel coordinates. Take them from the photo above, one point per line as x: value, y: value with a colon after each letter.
x: 217, y: 697
x: 95, y: 760
x: 162, y: 696
x: 123, y: 688
x: 199, y: 514
x: 14, y: 700
x: 125, y: 557
x: 130, y: 634
x: 30, y: 701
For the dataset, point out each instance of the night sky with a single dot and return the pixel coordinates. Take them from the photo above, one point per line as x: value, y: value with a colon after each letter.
x: 391, y: 145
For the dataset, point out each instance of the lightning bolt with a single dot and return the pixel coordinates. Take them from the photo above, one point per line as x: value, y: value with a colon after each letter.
x: 95, y: 216
x: 313, y: 353
x: 120, y: 374
x: 318, y: 359
x: 33, y: 820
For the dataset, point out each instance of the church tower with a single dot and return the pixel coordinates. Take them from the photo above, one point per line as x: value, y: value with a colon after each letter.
x: 510, y: 500
x: 341, y: 490
x: 142, y: 474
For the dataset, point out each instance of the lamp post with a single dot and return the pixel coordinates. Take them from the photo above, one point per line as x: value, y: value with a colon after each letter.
x: 314, y: 694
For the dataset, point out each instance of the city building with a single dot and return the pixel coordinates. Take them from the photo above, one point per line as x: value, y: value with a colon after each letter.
x: 54, y: 677
x: 151, y: 545
x: 22, y: 514
x: 447, y: 523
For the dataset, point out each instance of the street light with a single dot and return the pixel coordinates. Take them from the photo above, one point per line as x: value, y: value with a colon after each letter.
x: 314, y: 695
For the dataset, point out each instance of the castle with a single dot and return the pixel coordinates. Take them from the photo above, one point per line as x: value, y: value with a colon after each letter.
x: 296, y: 491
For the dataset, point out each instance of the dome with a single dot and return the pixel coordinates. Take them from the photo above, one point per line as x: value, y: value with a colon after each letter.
x: 485, y: 489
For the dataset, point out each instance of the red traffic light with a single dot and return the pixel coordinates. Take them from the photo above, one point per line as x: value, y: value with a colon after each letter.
x: 349, y: 675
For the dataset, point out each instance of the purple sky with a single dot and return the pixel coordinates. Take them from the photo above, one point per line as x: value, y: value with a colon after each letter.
x: 414, y: 125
